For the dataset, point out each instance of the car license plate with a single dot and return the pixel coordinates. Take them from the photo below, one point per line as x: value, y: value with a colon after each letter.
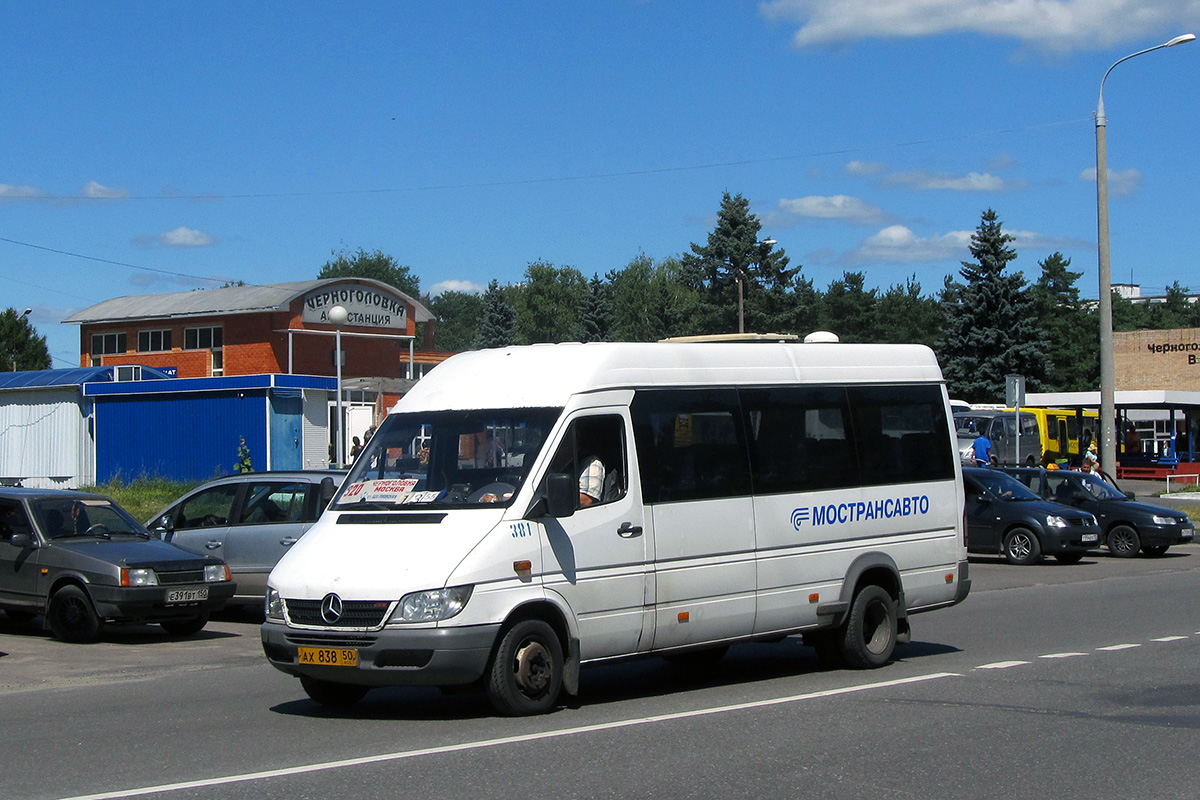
x: 1090, y: 537
x: 328, y: 656
x: 187, y: 595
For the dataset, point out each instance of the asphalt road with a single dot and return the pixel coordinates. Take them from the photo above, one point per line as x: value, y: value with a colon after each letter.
x: 1066, y: 681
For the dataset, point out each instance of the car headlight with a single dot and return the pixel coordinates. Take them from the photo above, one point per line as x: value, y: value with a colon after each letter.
x: 274, y: 605
x: 1165, y: 521
x: 139, y: 577
x: 1056, y: 522
x: 215, y: 573
x: 433, y: 605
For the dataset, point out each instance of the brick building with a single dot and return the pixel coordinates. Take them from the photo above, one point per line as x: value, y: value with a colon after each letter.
x: 272, y: 329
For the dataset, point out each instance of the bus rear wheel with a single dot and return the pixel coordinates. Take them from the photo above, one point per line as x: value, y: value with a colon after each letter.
x: 869, y: 634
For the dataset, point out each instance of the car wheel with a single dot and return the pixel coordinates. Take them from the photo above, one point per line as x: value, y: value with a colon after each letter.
x: 185, y: 627
x: 1021, y: 547
x: 19, y: 614
x: 1068, y: 558
x: 1155, y: 549
x: 333, y: 695
x: 527, y: 670
x: 71, y: 617
x: 1123, y: 542
x: 869, y: 633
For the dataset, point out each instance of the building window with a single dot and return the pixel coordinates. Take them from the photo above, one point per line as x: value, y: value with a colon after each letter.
x: 154, y: 341
x: 202, y: 338
x: 107, y: 344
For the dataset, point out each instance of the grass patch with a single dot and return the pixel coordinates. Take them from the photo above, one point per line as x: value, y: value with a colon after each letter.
x: 143, y: 496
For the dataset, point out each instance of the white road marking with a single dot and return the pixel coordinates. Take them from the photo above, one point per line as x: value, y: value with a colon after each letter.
x: 1062, y: 655
x: 1002, y: 665
x: 1119, y: 647
x: 455, y: 748
x: 1168, y: 639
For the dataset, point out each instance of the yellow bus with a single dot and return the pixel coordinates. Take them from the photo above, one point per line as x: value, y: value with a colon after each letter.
x: 1061, y: 434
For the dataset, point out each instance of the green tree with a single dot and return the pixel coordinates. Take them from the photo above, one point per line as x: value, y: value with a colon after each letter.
x: 551, y: 303
x: 849, y: 310
x: 459, y: 317
x: 1174, y: 312
x: 903, y: 315
x: 1072, y: 333
x: 733, y: 255
x: 498, y: 327
x: 377, y: 265
x: 20, y: 346
x: 649, y: 300
x: 597, y: 311
x: 991, y: 323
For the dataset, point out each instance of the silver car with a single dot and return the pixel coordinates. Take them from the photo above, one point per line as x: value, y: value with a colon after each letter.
x: 249, y: 520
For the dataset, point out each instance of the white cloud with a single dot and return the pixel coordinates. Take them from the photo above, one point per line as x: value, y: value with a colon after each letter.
x: 897, y: 244
x: 9, y: 192
x: 1121, y: 182
x: 971, y: 182
x: 456, y: 286
x: 1061, y: 25
x: 865, y: 168
x: 184, y: 237
x: 840, y: 207
x: 98, y: 191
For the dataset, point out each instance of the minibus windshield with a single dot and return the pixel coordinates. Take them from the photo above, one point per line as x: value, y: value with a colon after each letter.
x: 450, y: 459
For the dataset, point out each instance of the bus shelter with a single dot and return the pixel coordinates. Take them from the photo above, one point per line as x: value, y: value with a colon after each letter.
x: 1157, y: 429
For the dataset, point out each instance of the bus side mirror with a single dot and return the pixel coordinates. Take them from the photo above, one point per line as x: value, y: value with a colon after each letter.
x: 562, y: 494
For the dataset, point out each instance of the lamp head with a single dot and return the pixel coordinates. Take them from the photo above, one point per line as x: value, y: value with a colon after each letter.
x: 1184, y: 39
x: 26, y: 312
x: 338, y: 316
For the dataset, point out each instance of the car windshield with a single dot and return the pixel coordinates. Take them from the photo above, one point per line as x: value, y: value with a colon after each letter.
x: 1004, y: 485
x: 969, y: 426
x: 1099, y: 488
x: 59, y: 518
x: 447, y: 459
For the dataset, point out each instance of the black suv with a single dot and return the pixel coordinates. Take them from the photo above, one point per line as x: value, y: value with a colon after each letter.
x: 1004, y: 516
x: 1128, y: 525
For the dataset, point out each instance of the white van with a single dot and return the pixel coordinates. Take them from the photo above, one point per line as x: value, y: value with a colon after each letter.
x: 749, y: 491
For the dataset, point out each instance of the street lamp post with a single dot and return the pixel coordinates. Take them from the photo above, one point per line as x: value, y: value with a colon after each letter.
x: 1108, y: 378
x: 738, y: 274
x: 337, y: 317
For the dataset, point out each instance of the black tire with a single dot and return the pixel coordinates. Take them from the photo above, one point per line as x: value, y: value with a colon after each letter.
x: 526, y: 673
x: 868, y: 636
x: 333, y: 695
x: 1068, y: 558
x: 185, y: 627
x: 1123, y: 541
x: 19, y: 615
x: 1021, y: 547
x: 71, y: 617
x: 697, y: 659
x: 1155, y: 549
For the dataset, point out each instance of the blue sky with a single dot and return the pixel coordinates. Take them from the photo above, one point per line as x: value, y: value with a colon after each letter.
x: 195, y: 143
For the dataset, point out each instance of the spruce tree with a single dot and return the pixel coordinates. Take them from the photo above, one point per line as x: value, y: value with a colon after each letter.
x: 1072, y: 332
x: 597, y: 312
x: 991, y: 324
x: 734, y: 252
x: 499, y: 325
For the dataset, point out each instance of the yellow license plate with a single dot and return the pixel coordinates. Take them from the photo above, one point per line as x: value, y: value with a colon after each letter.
x: 328, y: 656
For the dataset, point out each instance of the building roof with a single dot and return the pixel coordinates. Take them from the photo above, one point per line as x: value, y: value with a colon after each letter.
x: 226, y: 300
x: 73, y: 376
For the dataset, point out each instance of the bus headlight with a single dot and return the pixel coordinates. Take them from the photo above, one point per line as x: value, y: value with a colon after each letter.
x: 274, y: 605
x: 433, y: 605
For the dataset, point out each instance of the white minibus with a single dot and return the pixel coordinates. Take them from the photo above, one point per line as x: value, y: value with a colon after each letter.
x: 527, y: 510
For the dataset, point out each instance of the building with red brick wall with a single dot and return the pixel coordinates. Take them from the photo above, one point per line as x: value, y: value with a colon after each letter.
x: 280, y: 328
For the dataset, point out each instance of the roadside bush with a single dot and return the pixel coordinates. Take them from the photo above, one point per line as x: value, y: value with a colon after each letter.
x: 144, y: 495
